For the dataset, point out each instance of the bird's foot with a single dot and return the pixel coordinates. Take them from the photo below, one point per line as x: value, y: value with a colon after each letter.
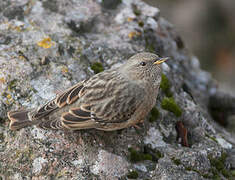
x: 136, y: 126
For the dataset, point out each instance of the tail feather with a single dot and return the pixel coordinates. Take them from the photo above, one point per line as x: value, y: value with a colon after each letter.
x: 51, y: 124
x: 19, y: 119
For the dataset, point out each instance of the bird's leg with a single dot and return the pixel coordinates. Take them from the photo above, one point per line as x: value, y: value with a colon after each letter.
x: 136, y: 126
x: 141, y: 121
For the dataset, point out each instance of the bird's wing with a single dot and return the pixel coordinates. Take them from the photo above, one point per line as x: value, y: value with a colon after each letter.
x: 78, y: 118
x: 104, y: 100
x: 67, y: 97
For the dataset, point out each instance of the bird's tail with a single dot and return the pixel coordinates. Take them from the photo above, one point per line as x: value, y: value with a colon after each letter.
x: 19, y: 119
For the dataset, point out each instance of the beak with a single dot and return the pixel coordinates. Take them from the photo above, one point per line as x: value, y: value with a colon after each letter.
x: 161, y: 60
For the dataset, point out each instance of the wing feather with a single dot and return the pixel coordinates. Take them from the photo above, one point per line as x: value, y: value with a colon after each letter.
x: 77, y: 112
x: 70, y: 118
x: 66, y: 98
x: 74, y: 95
x: 61, y: 100
x: 75, y: 126
x: 69, y: 96
x: 53, y: 124
x: 102, y: 102
x: 45, y: 110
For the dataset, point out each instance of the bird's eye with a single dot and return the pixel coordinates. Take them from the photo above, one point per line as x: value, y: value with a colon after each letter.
x: 143, y: 63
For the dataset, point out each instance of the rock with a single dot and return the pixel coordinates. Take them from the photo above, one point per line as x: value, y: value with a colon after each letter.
x: 231, y: 158
x: 110, y: 4
x: 14, y: 12
x: 48, y: 46
x: 109, y: 165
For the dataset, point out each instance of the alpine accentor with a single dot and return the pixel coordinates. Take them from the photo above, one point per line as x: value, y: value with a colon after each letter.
x: 111, y: 100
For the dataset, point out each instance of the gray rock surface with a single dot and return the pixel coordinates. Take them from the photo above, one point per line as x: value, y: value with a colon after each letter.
x: 46, y: 46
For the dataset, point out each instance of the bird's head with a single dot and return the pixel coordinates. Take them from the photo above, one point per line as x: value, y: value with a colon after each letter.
x: 144, y: 67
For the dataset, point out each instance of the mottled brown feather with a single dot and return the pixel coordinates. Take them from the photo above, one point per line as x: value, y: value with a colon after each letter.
x: 68, y: 97
x: 81, y: 125
x: 70, y: 118
x: 78, y: 112
x: 15, y: 115
x: 53, y: 124
x: 101, y: 102
x: 74, y: 94
x: 112, y: 99
x: 44, y: 110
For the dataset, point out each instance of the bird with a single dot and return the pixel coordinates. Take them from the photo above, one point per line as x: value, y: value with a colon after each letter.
x: 114, y: 99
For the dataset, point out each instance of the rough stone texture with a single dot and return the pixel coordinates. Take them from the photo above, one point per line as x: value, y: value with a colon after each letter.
x: 77, y: 34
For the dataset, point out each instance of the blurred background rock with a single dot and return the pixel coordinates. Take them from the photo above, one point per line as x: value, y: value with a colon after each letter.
x: 208, y: 29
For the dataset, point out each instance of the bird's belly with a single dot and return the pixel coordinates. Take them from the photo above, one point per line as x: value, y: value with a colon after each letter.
x: 139, y: 115
x: 113, y: 126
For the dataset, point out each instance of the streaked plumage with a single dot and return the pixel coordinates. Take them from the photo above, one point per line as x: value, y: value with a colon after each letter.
x: 111, y: 100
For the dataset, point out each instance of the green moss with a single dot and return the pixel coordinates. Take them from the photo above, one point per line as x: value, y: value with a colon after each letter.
x: 214, y: 174
x: 216, y: 177
x: 212, y: 138
x: 226, y: 173
x: 223, y: 157
x: 147, y: 157
x: 165, y: 86
x: 218, y: 167
x: 159, y: 155
x: 207, y: 176
x: 214, y: 171
x: 176, y: 161
x: 141, y: 23
x: 136, y: 156
x: 170, y: 105
x: 133, y: 175
x: 188, y: 169
x: 12, y: 84
x: 97, y: 67
x: 2, y: 137
x: 136, y: 10
x: 192, y: 169
x: 218, y: 163
x: 152, y: 154
x: 154, y: 114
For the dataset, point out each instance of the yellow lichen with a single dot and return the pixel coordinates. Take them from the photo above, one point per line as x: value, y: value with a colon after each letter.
x: 7, y: 102
x: 9, y: 96
x: 9, y: 99
x: 133, y: 34
x: 64, y: 69
x: 15, y: 28
x: 18, y: 28
x: 22, y: 57
x: 129, y: 19
x: 2, y: 80
x: 46, y: 43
